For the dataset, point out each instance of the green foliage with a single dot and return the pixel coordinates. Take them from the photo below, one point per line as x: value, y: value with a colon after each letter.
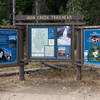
x: 55, y: 5
x: 5, y: 22
x: 2, y: 11
x: 25, y: 6
x: 89, y: 8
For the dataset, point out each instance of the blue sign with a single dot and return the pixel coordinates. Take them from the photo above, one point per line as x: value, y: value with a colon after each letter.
x: 64, y: 42
x: 8, y: 46
x: 92, y: 46
x: 45, y: 41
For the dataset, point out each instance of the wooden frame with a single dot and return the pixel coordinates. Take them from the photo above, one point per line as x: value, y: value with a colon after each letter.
x: 19, y: 41
x: 48, y: 20
x: 48, y: 59
x: 81, y: 47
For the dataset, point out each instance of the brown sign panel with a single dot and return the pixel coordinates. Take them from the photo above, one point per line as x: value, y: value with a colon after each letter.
x: 50, y: 17
x: 21, y: 17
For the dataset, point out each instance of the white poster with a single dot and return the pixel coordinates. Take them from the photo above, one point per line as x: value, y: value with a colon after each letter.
x: 42, y: 41
x: 49, y: 51
x: 39, y: 39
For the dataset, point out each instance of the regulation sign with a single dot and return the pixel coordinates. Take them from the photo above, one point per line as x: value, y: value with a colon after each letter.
x: 8, y: 46
x: 92, y: 46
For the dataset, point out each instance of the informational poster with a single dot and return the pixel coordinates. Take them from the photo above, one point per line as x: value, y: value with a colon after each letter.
x: 43, y: 41
x: 8, y: 46
x: 64, y: 42
x: 92, y: 46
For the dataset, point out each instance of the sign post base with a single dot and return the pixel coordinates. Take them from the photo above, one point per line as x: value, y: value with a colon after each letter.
x: 21, y: 73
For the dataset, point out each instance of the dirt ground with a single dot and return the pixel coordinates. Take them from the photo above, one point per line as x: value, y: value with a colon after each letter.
x: 51, y: 85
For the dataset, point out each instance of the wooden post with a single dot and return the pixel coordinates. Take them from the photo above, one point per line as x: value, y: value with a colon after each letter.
x: 78, y: 73
x: 27, y: 42
x: 8, y: 10
x: 37, y: 9
x: 21, y: 68
x: 13, y: 6
x: 21, y: 73
x: 78, y: 68
x: 73, y: 31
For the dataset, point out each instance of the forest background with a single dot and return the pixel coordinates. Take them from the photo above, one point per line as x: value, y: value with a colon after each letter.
x: 89, y: 8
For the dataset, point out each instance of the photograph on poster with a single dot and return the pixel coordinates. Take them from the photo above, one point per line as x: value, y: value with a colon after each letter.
x: 92, y: 46
x: 64, y: 42
x: 43, y: 41
x: 61, y: 51
x: 8, y: 46
x: 94, y: 53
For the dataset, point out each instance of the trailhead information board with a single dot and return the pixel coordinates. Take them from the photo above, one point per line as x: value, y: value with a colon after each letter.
x: 8, y: 46
x: 50, y: 42
x: 92, y: 46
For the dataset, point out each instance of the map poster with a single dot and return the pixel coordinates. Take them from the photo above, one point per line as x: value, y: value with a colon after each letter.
x: 64, y: 42
x: 8, y: 46
x: 43, y: 41
x: 92, y: 46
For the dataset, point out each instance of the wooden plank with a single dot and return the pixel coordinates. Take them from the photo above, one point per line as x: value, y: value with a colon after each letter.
x: 56, y: 24
x: 26, y: 71
x: 89, y: 27
x: 49, y: 60
x: 88, y: 65
x: 11, y: 27
x: 56, y: 66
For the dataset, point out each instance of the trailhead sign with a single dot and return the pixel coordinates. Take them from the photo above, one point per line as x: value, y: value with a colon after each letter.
x: 8, y: 46
x: 50, y: 42
x: 92, y: 46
